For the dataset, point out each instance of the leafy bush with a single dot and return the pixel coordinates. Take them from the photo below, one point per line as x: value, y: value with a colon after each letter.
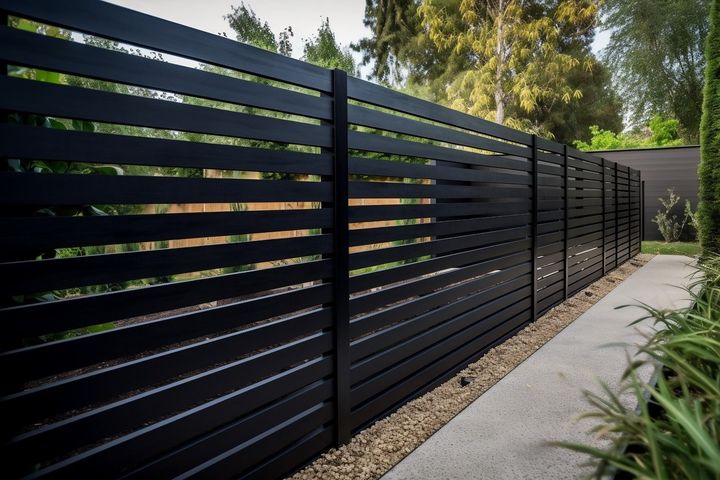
x: 668, y: 224
x: 660, y: 132
x: 676, y: 434
x: 709, y: 173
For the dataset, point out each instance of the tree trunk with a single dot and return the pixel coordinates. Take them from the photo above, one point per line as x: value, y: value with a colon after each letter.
x: 500, y: 54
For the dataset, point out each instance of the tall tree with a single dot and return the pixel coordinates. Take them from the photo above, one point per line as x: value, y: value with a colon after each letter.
x: 656, y: 55
x: 600, y: 105
x: 709, y: 208
x: 402, y: 53
x: 514, y: 46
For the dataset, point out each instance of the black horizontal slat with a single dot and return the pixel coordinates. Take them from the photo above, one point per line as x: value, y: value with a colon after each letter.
x: 242, y: 457
x: 375, y: 119
x: 56, y: 316
x: 397, y: 212
x: 133, y: 27
x: 506, y: 321
x: 379, y: 143
x: 39, y: 189
x: 364, y: 236
x: 416, y: 306
x: 369, y: 302
x: 127, y: 452
x: 295, y: 456
x: 62, y: 355
x: 133, y: 412
x: 98, y: 386
x: 185, y: 458
x: 407, y: 190
x: 371, y: 280
x: 389, y: 168
x: 376, y: 95
x: 38, y: 234
x: 435, y: 247
x: 40, y: 51
x: 21, y: 141
x: 381, y: 341
x: 31, y: 96
x: 58, y: 273
x: 371, y: 375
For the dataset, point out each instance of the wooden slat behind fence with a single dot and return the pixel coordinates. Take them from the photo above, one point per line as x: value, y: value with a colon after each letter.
x: 280, y: 262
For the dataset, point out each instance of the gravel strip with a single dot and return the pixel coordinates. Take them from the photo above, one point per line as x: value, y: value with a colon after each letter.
x: 375, y: 450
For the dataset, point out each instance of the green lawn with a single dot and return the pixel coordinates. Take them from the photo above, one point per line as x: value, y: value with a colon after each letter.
x: 675, y: 248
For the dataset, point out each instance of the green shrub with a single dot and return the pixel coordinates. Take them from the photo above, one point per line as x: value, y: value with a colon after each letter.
x: 668, y: 224
x: 676, y: 434
x: 709, y: 173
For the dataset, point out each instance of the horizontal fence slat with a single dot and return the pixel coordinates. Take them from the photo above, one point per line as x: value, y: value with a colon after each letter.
x: 375, y: 119
x: 382, y: 144
x: 405, y: 190
x: 75, y: 312
x: 376, y: 95
x: 364, y: 236
x: 25, y: 142
x: 95, y: 387
x: 64, y: 101
x: 389, y: 168
x: 40, y: 51
x: 143, y: 30
x: 59, y: 273
x: 37, y: 234
x: 41, y: 189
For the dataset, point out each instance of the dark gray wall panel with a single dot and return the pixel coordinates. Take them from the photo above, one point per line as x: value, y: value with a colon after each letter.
x: 662, y: 168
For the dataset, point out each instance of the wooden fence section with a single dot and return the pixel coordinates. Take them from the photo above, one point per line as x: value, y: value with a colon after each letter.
x: 424, y: 237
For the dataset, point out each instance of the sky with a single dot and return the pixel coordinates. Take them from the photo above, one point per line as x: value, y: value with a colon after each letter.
x: 346, y: 17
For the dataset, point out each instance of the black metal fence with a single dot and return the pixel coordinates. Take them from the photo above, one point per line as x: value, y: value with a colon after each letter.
x: 419, y: 237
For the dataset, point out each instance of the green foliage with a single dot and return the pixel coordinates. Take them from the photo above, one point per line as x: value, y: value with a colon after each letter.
x: 668, y: 224
x: 709, y: 173
x: 677, y: 432
x: 693, y: 218
x: 600, y: 105
x: 656, y: 54
x: 402, y: 52
x: 661, y: 132
x: 324, y: 51
x: 516, y: 59
x: 250, y: 29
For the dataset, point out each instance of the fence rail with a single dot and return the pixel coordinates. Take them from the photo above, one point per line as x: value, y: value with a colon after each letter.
x: 427, y: 237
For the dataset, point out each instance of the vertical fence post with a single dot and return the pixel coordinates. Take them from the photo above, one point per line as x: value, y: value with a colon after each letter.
x: 642, y: 209
x: 629, y: 211
x: 566, y: 224
x: 617, y: 213
x: 341, y: 263
x: 534, y: 229
x: 604, y: 215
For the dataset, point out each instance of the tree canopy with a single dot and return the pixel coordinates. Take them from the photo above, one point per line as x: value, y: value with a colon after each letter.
x: 322, y: 49
x: 402, y: 51
x: 655, y: 52
x: 515, y: 49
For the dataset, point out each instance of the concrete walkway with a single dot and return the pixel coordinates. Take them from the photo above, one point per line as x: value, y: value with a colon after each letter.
x: 504, y: 434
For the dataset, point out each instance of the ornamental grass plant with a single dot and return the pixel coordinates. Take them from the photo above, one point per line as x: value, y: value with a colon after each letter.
x: 674, y: 433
